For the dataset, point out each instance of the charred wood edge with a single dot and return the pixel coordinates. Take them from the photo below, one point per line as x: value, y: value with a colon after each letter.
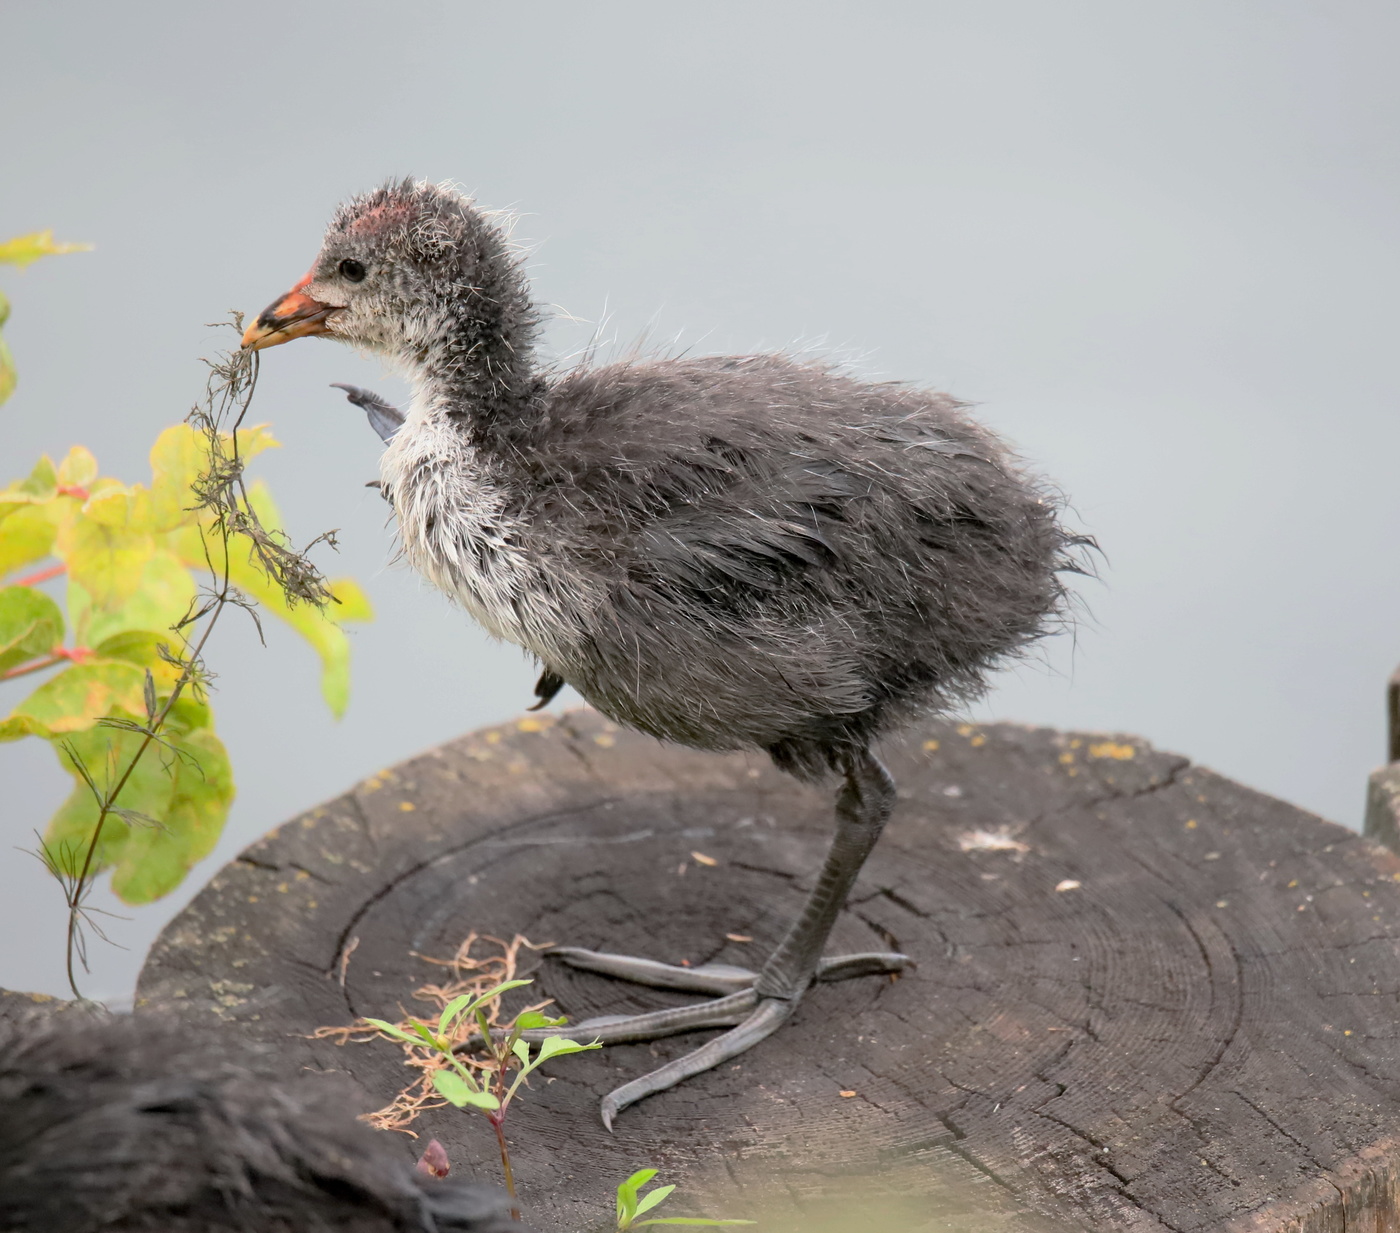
x: 1383, y: 791
x: 20, y: 1008
x: 1360, y: 1193
x: 1366, y: 1186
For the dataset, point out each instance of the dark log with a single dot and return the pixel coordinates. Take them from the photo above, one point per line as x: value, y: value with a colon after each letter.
x: 1147, y: 998
x: 18, y: 1008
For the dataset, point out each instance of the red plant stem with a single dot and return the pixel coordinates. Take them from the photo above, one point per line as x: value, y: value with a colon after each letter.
x: 33, y: 580
x: 37, y: 666
x: 498, y: 1125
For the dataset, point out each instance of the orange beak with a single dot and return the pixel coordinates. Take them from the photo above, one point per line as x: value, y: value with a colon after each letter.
x: 295, y: 315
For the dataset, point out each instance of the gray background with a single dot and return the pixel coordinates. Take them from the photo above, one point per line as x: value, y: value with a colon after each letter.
x: 1155, y: 241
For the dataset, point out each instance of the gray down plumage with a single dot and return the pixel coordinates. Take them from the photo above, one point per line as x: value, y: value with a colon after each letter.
x: 726, y: 552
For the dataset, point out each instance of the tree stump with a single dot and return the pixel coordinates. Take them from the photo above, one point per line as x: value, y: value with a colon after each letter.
x: 1147, y: 998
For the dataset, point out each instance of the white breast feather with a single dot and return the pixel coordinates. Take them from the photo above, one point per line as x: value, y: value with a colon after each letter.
x: 455, y: 531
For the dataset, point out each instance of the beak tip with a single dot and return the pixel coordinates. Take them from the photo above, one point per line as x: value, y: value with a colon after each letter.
x: 293, y: 316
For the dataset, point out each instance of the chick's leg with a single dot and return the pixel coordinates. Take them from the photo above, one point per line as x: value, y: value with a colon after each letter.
x: 752, y: 1004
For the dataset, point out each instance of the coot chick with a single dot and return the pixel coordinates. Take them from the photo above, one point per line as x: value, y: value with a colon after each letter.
x: 731, y: 552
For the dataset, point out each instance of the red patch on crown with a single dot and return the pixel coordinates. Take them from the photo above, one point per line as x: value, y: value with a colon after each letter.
x: 390, y: 216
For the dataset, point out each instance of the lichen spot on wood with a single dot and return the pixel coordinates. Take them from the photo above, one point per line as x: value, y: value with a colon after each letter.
x: 1111, y: 749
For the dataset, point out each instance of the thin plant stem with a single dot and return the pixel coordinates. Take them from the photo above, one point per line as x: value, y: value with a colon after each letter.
x: 43, y: 575
x: 498, y: 1125
x: 37, y: 665
x: 110, y: 797
x: 221, y: 491
x: 498, y: 1121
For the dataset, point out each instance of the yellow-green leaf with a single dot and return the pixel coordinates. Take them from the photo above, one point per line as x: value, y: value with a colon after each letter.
x: 180, y: 456
x: 119, y: 507
x: 252, y: 441
x: 7, y: 361
x: 142, y: 648
x: 26, y: 249
x: 27, y: 534
x: 320, y: 628
x: 177, y: 458
x: 41, y: 484
x: 351, y: 603
x: 13, y: 727
x: 107, y: 558
x: 31, y: 625
x: 79, y: 696
x: 78, y: 469
x: 164, y: 592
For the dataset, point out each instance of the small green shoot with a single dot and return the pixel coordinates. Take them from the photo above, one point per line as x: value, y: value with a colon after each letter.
x: 631, y: 1203
x: 490, y: 1090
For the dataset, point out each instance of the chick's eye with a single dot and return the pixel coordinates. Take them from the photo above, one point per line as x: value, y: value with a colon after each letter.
x: 352, y: 270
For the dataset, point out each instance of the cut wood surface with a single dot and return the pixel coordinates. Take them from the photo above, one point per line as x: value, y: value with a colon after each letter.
x: 1147, y: 998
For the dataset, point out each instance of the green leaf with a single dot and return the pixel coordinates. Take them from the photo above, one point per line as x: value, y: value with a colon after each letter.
x: 652, y: 1198
x: 627, y: 1195
x: 521, y: 1049
x: 26, y: 249
x: 183, y: 784
x: 482, y: 998
x: 155, y: 860
x: 557, y: 1046
x: 31, y: 625
x: 452, y: 1009
x: 454, y: 1088
x: 390, y: 1030
x: 532, y: 1020
x: 484, y: 1027
x: 105, y: 753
